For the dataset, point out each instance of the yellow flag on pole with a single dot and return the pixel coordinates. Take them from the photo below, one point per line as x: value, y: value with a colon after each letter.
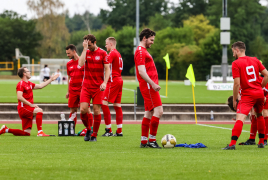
x: 190, y: 74
x: 166, y: 57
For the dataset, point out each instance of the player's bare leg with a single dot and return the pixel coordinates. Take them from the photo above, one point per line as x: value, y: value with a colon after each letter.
x: 97, y: 121
x: 85, y: 120
x: 107, y: 119
x: 119, y: 119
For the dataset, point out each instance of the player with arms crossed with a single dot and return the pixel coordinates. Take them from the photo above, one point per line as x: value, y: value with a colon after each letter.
x: 26, y: 107
x: 94, y: 83
x: 246, y: 74
x: 113, y: 91
x: 148, y: 82
x: 75, y: 78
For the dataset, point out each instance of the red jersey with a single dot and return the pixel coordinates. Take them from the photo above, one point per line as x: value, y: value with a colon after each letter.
x: 76, y: 74
x: 27, y: 92
x: 94, y: 68
x: 142, y: 57
x: 247, y: 69
x: 116, y: 64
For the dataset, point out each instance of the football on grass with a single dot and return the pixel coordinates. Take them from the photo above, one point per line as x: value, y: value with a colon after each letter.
x: 168, y: 141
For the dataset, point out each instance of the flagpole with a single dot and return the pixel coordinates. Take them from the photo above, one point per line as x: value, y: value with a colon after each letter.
x: 166, y: 80
x: 194, y: 105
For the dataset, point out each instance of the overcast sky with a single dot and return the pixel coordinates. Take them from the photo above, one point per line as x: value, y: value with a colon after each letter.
x: 73, y: 6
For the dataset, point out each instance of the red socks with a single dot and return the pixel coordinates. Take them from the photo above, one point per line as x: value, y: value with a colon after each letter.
x: 266, y: 128
x: 236, y: 132
x: 18, y: 132
x: 253, y: 128
x: 107, y: 116
x: 38, y: 119
x: 261, y: 128
x: 153, y: 128
x: 84, y: 118
x: 145, y: 126
x: 119, y: 118
x: 96, y: 125
x: 90, y: 119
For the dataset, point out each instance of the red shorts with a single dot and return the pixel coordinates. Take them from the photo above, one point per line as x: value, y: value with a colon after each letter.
x: 26, y: 116
x: 151, y: 99
x: 74, y: 100
x: 113, y: 91
x: 95, y: 94
x: 246, y: 103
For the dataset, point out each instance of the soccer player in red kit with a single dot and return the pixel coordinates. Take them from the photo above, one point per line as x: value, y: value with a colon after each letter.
x: 148, y: 82
x: 94, y: 83
x: 26, y: 107
x: 113, y: 91
x: 245, y: 72
x: 75, y: 78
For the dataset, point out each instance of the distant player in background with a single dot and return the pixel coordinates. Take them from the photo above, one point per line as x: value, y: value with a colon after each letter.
x: 75, y: 78
x: 46, y: 72
x: 94, y: 83
x: 26, y: 107
x: 113, y: 91
x: 246, y: 75
x: 148, y: 82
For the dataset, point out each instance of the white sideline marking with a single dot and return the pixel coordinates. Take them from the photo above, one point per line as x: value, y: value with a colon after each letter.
x: 218, y: 127
x: 133, y: 91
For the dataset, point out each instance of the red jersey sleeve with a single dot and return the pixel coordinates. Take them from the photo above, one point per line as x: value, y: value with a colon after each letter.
x: 67, y: 67
x: 235, y: 70
x: 261, y: 67
x: 33, y: 85
x: 141, y: 57
x: 20, y: 86
x: 110, y: 57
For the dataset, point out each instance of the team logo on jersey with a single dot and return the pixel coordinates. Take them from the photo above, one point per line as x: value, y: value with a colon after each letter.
x: 97, y: 58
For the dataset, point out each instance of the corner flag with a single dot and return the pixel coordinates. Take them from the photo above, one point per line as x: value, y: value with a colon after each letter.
x: 190, y: 74
x: 166, y: 57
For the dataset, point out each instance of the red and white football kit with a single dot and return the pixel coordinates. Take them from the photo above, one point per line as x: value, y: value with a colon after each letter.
x: 151, y: 97
x: 76, y: 74
x: 247, y: 69
x: 25, y: 111
x: 94, y: 76
x: 113, y: 91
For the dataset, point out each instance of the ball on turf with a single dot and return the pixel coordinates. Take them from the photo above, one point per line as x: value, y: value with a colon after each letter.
x: 168, y: 141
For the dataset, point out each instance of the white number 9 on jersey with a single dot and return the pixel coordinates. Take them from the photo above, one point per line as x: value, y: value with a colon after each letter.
x: 251, y: 73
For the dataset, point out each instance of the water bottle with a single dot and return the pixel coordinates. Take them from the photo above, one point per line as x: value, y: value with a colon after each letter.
x: 72, y: 128
x: 66, y: 126
x: 62, y: 117
x: 60, y: 128
x: 211, y: 116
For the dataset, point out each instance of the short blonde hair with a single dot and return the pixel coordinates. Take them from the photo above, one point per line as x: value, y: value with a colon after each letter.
x: 112, y: 39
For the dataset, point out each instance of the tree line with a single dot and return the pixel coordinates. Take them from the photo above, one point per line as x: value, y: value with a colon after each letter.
x: 188, y: 31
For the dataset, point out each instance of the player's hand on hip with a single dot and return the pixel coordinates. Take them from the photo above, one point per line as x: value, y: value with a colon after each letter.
x: 85, y: 44
x: 234, y: 104
x: 67, y: 95
x: 34, y: 105
x: 156, y: 87
x: 103, y: 86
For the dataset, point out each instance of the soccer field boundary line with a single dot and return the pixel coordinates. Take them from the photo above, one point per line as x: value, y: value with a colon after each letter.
x: 219, y: 127
x: 133, y: 91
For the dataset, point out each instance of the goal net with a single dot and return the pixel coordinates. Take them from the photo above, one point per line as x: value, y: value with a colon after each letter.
x: 216, y: 74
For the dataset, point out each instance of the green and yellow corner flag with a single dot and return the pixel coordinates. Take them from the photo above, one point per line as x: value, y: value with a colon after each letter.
x: 190, y: 74
x: 166, y: 57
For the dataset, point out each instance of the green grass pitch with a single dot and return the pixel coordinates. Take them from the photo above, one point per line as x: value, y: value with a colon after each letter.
x: 177, y: 93
x: 119, y: 158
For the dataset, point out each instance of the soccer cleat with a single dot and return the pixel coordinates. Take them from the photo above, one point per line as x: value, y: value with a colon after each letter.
x: 229, y: 147
x: 261, y: 145
x: 118, y: 134
x: 248, y: 142
x: 153, y: 145
x: 107, y: 133
x: 88, y: 135
x: 265, y: 142
x: 143, y: 145
x: 93, y: 138
x: 3, y: 129
x: 42, y: 134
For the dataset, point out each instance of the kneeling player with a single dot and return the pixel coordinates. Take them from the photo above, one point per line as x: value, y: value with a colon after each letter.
x: 113, y: 91
x: 26, y: 107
